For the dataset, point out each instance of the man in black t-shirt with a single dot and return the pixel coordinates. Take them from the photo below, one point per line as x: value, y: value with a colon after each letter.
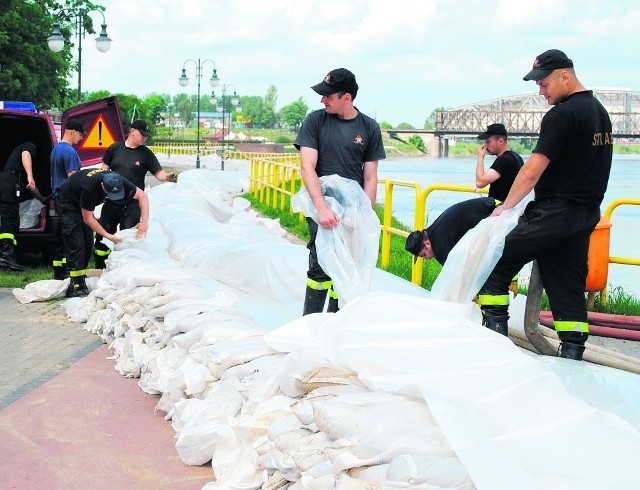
x: 132, y: 160
x: 569, y: 170
x: 341, y: 140
x: 500, y: 176
x: 76, y: 200
x: 442, y: 235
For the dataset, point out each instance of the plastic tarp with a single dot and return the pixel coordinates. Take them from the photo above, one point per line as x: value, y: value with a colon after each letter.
x: 348, y: 252
x: 396, y: 390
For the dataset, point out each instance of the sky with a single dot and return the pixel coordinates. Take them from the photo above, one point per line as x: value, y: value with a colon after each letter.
x: 409, y: 56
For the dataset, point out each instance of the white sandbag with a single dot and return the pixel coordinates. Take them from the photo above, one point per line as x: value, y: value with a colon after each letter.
x: 30, y: 213
x: 41, y: 290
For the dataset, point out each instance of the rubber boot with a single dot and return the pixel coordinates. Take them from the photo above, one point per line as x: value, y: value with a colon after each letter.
x: 99, y: 261
x: 314, y: 300
x: 572, y: 345
x: 75, y: 288
x: 7, y: 256
x: 497, y: 323
x: 333, y: 305
x: 83, y: 285
x: 569, y: 350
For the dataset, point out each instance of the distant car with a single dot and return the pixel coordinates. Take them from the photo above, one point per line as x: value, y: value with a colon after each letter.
x: 20, y: 122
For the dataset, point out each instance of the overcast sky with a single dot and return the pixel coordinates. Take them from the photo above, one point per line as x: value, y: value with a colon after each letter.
x: 409, y: 56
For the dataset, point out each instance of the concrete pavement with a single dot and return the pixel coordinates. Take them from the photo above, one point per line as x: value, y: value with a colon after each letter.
x: 68, y: 420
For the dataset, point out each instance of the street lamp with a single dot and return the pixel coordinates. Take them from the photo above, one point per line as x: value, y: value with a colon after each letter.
x: 56, y: 39
x: 184, y: 81
x: 235, y: 102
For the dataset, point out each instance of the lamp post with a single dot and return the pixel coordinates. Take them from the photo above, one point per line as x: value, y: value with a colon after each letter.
x: 79, y: 15
x: 184, y: 81
x: 235, y: 103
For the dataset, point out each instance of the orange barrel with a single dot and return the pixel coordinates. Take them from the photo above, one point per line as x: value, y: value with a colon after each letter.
x: 598, y: 261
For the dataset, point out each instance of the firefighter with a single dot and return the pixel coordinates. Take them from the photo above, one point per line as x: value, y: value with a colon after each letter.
x: 75, y: 202
x: 20, y: 161
x: 131, y: 159
x: 442, y: 235
x: 569, y: 170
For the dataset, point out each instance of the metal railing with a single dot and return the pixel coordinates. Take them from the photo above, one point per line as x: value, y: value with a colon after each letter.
x: 274, y: 175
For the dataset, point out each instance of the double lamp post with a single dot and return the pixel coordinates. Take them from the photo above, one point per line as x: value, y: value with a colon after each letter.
x: 79, y: 15
x: 214, y: 81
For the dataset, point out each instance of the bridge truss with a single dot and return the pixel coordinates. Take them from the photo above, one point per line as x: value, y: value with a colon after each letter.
x: 522, y: 114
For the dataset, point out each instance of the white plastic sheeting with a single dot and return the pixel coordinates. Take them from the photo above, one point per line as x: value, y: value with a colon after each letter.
x: 350, y: 250
x: 396, y: 389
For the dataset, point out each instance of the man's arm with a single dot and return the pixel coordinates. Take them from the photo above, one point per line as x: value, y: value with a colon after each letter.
x: 91, y: 221
x: 371, y: 180
x: 525, y: 181
x: 164, y: 176
x: 308, y: 161
x: 483, y: 179
x: 28, y: 168
x: 143, y: 201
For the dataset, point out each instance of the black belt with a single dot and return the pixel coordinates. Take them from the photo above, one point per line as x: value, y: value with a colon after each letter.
x: 554, y: 199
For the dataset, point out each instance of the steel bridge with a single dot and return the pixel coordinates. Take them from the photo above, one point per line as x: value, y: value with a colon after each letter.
x: 522, y: 114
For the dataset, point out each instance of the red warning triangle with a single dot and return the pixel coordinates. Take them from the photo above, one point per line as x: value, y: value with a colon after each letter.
x: 99, y: 136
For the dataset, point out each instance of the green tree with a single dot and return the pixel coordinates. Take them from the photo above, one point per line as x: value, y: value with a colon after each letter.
x: 417, y: 141
x: 29, y: 70
x: 270, y: 100
x: 293, y: 114
x: 405, y: 125
x: 385, y: 125
x: 431, y: 121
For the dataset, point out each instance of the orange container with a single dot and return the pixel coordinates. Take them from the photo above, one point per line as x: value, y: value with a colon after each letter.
x: 598, y: 261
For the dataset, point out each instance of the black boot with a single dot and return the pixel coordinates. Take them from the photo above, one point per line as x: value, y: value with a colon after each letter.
x: 572, y: 345
x: 7, y: 256
x: 569, y: 350
x: 497, y: 323
x: 332, y: 307
x: 77, y: 287
x: 314, y: 300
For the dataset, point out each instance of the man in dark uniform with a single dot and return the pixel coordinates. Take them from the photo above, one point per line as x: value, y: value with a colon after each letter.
x: 442, y: 235
x: 20, y: 161
x: 132, y: 160
x: 75, y: 201
x: 340, y: 140
x: 569, y: 170
x: 504, y: 168
x: 64, y: 161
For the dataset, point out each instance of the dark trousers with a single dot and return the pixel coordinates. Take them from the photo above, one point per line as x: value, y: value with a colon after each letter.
x: 556, y: 233
x: 9, y: 205
x: 315, y: 272
x: 77, y: 237
x: 114, y: 215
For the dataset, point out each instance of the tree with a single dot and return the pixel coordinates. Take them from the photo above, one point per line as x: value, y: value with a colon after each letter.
x: 431, y: 121
x: 293, y: 114
x: 29, y: 70
x: 385, y: 125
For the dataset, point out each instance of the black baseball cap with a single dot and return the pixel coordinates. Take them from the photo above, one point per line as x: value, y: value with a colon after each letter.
x: 113, y: 185
x: 74, y: 125
x: 493, y: 130
x: 546, y: 62
x: 141, y: 126
x: 415, y: 243
x: 338, y: 80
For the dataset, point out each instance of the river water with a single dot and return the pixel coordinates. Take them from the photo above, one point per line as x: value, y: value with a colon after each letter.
x: 623, y: 183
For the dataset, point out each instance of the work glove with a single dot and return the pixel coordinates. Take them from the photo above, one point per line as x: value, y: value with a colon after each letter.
x: 513, y: 287
x: 172, y: 177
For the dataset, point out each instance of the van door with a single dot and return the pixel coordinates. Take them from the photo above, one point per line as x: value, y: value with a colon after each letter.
x: 102, y: 123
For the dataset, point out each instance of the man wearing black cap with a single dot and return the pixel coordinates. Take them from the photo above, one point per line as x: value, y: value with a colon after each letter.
x: 131, y: 159
x: 505, y: 167
x: 441, y: 236
x: 569, y: 171
x: 64, y: 161
x: 76, y: 200
x: 340, y: 140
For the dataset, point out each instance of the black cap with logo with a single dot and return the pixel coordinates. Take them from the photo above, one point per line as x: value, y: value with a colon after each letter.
x: 546, y: 62
x: 338, y: 80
